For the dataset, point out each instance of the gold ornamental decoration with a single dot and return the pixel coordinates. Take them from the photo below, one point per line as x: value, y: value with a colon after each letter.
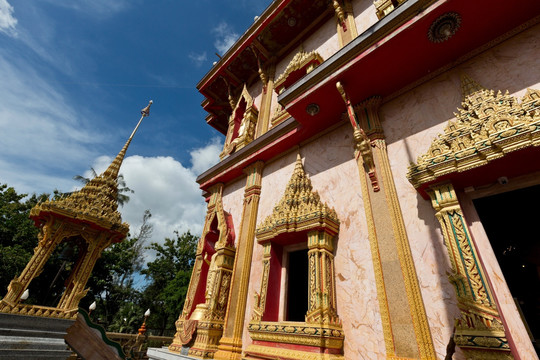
x: 302, y: 60
x: 489, y: 125
x: 242, y: 122
x: 299, y: 209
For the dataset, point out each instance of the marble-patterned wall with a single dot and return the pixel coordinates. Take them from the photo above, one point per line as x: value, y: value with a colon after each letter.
x: 411, y: 122
x: 233, y: 199
x: 334, y: 176
x: 364, y: 14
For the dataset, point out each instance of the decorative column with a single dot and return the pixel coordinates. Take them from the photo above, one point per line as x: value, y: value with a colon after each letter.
x: 404, y: 318
x: 230, y: 345
x: 48, y: 240
x: 479, y: 331
x: 267, y: 78
x: 79, y: 277
x: 322, y: 292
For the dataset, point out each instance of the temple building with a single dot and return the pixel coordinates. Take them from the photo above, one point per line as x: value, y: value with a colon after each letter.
x: 377, y: 188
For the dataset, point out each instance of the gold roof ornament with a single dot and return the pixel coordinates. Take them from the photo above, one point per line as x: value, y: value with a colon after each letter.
x: 469, y: 87
x: 299, y: 209
x: 96, y: 203
x: 490, y: 125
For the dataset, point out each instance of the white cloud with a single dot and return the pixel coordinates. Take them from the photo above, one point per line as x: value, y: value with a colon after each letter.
x: 41, y: 134
x: 203, y: 158
x: 197, y: 59
x: 167, y: 188
x: 7, y: 21
x: 225, y: 37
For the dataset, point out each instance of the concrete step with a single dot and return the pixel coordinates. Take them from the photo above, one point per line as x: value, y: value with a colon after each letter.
x: 35, y: 354
x: 31, y: 333
x: 165, y: 354
x: 8, y: 343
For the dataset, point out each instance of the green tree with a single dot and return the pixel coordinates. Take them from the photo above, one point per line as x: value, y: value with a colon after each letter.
x: 112, y: 281
x: 18, y: 235
x: 168, y: 277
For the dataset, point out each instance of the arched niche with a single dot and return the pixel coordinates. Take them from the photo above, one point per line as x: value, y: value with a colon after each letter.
x: 242, y: 122
x: 202, y: 319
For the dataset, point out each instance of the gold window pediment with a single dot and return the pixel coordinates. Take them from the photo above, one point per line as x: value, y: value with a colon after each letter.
x: 301, y: 64
x: 489, y: 126
x: 300, y: 209
x: 306, y: 61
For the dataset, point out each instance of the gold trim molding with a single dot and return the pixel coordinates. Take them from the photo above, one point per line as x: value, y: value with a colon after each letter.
x: 488, y: 127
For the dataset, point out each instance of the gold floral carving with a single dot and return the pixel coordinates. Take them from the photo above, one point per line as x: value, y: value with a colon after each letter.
x: 245, y: 129
x: 279, y: 115
x: 385, y: 7
x: 489, y: 126
x: 480, y: 329
x: 302, y: 60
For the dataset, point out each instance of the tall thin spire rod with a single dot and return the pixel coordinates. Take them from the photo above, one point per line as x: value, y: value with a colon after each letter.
x: 112, y: 170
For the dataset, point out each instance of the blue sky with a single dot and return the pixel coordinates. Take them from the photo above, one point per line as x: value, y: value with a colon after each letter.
x: 74, y: 75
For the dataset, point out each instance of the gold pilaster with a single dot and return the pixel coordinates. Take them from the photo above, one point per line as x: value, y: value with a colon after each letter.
x: 346, y: 26
x: 230, y: 345
x: 267, y: 77
x: 405, y: 324
x: 479, y: 332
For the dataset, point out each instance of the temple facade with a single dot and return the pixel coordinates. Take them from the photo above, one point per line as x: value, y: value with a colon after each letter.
x: 377, y: 187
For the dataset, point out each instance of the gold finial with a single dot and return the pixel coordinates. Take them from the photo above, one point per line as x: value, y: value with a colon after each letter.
x: 342, y: 92
x: 298, y: 166
x: 146, y: 111
x: 469, y: 86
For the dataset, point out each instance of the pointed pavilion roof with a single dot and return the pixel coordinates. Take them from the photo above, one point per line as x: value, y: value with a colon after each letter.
x: 96, y: 203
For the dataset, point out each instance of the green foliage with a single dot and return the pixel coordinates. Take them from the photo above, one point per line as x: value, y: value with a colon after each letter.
x: 168, y: 277
x: 18, y: 236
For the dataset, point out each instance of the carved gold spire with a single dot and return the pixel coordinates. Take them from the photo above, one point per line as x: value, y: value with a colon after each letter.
x: 96, y: 203
x: 469, y: 87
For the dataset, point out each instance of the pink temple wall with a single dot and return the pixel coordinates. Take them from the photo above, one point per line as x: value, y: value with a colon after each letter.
x: 411, y: 122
